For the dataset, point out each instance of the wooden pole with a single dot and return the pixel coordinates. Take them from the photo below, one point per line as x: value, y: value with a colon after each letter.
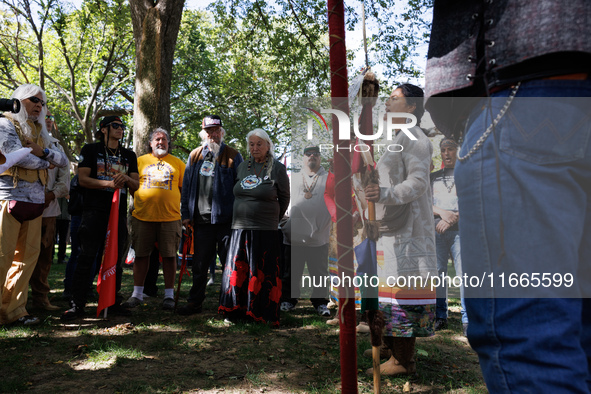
x: 342, y: 166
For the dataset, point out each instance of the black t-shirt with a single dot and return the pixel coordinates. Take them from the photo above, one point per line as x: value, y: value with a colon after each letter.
x: 93, y: 156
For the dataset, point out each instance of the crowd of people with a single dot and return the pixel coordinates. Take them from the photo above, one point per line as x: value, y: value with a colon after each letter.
x: 237, y: 210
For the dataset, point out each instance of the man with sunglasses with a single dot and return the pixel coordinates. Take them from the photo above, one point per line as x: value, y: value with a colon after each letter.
x: 207, y: 203
x: 307, y: 233
x: 104, y: 166
x: 22, y: 199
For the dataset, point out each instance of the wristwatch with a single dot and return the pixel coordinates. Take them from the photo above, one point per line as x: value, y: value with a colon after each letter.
x: 45, y: 153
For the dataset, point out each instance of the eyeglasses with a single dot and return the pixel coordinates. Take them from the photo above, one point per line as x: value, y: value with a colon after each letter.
x: 317, y: 154
x: 36, y: 100
x: 117, y: 126
x: 49, y: 117
x: 212, y: 130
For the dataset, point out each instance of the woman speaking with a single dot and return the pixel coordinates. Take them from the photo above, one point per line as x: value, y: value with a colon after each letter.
x: 251, y: 284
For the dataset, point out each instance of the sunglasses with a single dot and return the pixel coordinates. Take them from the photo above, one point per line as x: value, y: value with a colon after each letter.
x: 317, y: 154
x: 117, y: 126
x: 49, y: 117
x: 36, y: 100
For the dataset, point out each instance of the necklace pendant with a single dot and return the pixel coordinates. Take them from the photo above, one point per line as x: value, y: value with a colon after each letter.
x: 307, y: 195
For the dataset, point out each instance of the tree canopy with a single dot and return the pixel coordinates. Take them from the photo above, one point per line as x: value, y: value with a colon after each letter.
x: 243, y: 60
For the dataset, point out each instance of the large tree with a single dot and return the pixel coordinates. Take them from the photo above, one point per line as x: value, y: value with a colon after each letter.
x: 84, y: 56
x: 155, y: 30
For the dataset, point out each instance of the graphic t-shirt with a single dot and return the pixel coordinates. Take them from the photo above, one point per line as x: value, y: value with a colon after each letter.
x: 105, y: 166
x: 204, y: 202
x: 260, y: 201
x: 444, y: 192
x: 158, y: 198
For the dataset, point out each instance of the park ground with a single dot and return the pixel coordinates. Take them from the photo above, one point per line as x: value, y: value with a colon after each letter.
x: 156, y: 351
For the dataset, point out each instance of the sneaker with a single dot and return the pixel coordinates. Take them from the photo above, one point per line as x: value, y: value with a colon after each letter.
x: 465, y: 329
x: 27, y: 321
x: 333, y: 322
x: 73, y: 313
x: 286, y: 306
x: 323, y: 310
x: 132, y: 302
x: 440, y: 324
x: 190, y: 309
x: 168, y: 304
x: 211, y: 281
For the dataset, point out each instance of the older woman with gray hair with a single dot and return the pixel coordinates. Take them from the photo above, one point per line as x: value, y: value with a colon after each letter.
x: 251, y: 286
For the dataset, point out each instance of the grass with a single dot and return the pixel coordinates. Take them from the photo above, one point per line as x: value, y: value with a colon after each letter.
x: 155, y: 351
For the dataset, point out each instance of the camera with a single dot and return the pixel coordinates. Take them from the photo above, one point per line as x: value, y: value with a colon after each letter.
x: 12, y: 105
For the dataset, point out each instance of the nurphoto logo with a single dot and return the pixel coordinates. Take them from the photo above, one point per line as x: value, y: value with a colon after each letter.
x: 345, y: 129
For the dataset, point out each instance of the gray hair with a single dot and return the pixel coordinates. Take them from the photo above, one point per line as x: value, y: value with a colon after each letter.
x: 24, y: 92
x: 158, y: 130
x: 262, y: 134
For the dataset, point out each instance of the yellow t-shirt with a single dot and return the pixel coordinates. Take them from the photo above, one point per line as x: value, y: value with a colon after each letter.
x: 158, y: 198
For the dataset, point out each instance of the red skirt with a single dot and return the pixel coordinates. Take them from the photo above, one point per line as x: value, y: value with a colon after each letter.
x: 251, y: 284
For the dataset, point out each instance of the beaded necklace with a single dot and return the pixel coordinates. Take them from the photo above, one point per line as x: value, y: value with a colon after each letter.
x: 309, y: 189
x: 261, y: 171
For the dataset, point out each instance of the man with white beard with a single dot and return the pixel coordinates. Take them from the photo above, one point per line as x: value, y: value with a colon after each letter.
x: 207, y: 204
x: 156, y: 216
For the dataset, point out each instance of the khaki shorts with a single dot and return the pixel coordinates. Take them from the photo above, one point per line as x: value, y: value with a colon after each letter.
x: 145, y: 234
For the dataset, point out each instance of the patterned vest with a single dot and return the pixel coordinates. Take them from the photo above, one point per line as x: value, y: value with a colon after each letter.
x: 20, y: 173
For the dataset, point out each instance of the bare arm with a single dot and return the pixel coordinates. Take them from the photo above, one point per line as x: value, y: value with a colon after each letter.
x: 86, y: 181
x: 448, y: 216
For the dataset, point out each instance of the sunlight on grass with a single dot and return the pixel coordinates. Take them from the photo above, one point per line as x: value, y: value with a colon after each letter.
x: 216, y: 323
x: 15, y: 332
x: 107, y: 353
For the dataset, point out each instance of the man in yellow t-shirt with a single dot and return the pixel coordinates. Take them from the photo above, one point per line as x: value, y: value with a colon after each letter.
x: 157, y: 216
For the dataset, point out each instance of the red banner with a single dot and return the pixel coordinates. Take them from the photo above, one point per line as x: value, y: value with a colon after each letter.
x: 106, y: 283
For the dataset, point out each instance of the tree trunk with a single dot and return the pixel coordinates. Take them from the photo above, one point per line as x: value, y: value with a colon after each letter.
x: 155, y: 29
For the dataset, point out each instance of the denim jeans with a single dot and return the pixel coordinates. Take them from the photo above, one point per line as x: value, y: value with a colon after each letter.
x: 446, y: 244
x: 525, y: 204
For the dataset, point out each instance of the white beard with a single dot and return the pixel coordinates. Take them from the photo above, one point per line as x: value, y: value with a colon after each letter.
x: 159, y: 152
x: 214, y: 147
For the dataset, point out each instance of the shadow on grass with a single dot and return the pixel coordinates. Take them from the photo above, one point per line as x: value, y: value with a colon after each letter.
x: 157, y: 351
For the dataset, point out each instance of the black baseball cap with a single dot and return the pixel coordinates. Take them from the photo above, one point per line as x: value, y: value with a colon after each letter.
x: 107, y: 120
x: 211, y: 121
x: 311, y: 149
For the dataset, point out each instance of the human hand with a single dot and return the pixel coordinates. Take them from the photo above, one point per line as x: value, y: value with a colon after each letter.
x: 449, y: 216
x: 49, y: 197
x: 37, y: 150
x: 372, y: 192
x: 119, y: 181
x: 442, y: 227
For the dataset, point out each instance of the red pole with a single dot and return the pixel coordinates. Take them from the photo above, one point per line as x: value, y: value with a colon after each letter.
x: 342, y: 168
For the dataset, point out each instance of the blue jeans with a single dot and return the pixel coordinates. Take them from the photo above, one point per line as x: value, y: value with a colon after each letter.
x: 446, y: 244
x: 525, y: 204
